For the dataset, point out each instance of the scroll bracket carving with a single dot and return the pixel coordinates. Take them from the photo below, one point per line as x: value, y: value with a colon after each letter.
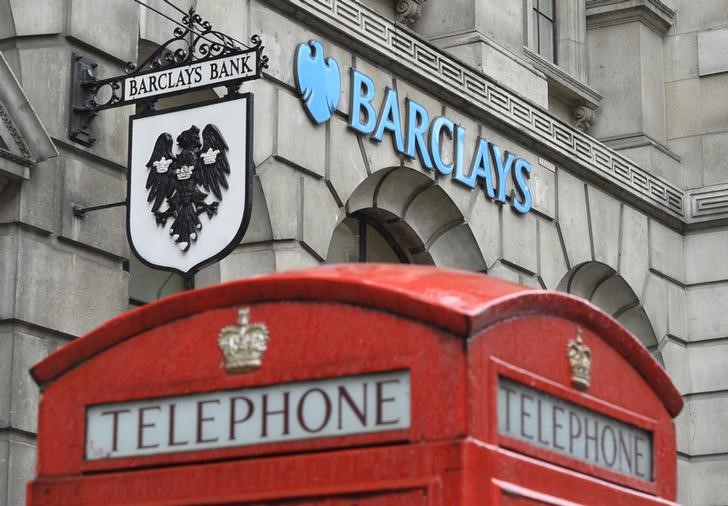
x: 585, y: 117
x: 408, y: 11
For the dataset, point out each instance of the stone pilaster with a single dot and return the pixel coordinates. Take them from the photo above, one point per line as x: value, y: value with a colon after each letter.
x: 490, y: 35
x: 625, y: 40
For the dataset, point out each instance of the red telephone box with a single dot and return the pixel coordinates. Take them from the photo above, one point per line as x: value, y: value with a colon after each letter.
x: 357, y: 385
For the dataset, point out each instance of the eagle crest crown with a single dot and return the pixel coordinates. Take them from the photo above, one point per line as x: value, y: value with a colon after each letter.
x: 178, y: 185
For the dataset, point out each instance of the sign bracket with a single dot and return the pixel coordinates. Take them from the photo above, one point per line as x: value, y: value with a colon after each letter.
x: 197, y: 56
x: 82, y: 106
x: 80, y: 212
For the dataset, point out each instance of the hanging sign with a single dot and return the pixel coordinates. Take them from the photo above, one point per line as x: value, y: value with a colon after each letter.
x: 196, y: 57
x: 189, y: 183
x: 241, y: 66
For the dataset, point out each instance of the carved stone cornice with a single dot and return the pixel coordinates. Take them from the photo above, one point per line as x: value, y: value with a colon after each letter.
x: 26, y: 141
x: 18, y: 150
x: 708, y: 203
x: 652, y: 13
x: 408, y: 11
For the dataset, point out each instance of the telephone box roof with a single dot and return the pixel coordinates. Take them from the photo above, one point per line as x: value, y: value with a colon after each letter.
x: 459, y: 302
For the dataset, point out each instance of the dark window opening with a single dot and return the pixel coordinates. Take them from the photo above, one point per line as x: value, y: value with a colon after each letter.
x: 544, y: 17
x: 375, y: 235
x: 147, y: 284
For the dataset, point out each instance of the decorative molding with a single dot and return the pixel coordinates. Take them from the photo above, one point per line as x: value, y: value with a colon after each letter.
x: 708, y: 203
x: 563, y: 84
x: 21, y: 154
x: 15, y: 158
x: 408, y: 11
x: 414, y: 55
x: 454, y: 40
x: 26, y: 141
x: 585, y: 116
x: 653, y: 13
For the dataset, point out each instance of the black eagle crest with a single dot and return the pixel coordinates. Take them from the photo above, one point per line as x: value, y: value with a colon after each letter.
x: 178, y: 180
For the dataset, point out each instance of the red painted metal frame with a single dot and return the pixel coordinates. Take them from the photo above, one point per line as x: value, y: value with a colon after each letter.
x: 72, y: 393
x: 342, y: 473
x: 459, y: 302
x: 454, y: 331
x: 502, y: 492
x: 502, y: 369
x: 538, y: 359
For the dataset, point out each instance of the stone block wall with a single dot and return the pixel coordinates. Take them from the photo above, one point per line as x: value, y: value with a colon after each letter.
x: 61, y: 276
x: 697, y: 130
x: 705, y: 353
x: 697, y: 112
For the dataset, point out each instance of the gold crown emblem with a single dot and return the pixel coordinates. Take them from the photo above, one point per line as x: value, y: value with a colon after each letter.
x: 580, y: 360
x: 243, y: 345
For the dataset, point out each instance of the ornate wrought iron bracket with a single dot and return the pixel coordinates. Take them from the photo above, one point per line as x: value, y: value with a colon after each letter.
x: 195, y: 57
x: 82, y: 107
x: 80, y: 212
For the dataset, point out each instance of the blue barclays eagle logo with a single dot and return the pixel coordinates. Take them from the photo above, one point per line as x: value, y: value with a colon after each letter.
x: 318, y: 81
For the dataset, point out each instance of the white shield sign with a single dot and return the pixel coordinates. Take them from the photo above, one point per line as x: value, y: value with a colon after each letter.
x: 189, y: 195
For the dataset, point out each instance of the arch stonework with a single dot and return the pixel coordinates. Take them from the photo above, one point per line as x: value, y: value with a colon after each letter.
x: 605, y: 288
x: 426, y: 208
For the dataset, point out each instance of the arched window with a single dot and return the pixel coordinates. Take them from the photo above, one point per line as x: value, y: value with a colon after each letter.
x: 605, y: 288
x: 147, y: 284
x: 375, y: 235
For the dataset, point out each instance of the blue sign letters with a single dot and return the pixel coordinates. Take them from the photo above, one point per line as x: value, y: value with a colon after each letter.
x: 319, y: 84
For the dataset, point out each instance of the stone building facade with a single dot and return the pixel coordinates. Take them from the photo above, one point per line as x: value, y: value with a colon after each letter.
x: 620, y: 107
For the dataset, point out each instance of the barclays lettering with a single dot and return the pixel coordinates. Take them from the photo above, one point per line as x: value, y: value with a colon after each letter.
x: 418, y: 135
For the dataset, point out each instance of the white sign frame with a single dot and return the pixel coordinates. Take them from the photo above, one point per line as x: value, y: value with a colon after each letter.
x: 150, y: 242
